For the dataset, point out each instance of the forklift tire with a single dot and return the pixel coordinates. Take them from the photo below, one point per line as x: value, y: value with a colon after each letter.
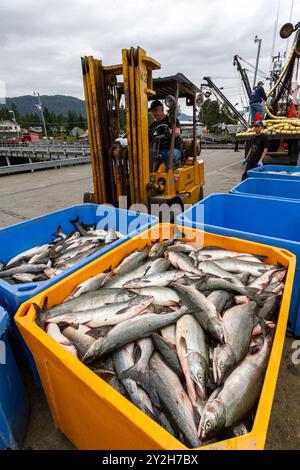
x: 89, y: 198
x: 170, y: 202
x: 175, y: 201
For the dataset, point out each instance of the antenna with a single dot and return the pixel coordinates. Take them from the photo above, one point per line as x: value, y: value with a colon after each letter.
x: 288, y: 41
x: 274, y: 36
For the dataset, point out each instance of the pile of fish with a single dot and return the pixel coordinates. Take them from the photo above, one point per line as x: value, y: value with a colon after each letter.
x: 46, y: 261
x: 293, y: 173
x: 184, y: 333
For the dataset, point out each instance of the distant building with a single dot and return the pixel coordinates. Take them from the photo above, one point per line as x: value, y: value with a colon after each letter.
x: 36, y: 129
x: 9, y: 129
x: 9, y: 126
x: 76, y: 132
x: 84, y: 137
x: 187, y: 129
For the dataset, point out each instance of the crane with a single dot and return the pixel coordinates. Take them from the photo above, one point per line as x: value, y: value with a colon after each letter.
x: 244, y: 75
x: 225, y: 100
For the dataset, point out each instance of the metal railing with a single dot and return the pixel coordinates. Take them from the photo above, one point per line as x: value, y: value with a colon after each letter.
x: 40, y: 156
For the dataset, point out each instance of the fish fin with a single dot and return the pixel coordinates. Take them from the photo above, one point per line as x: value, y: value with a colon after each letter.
x: 279, y: 267
x: 266, y: 330
x: 101, y: 372
x: 58, y: 232
x: 261, y: 257
x: 96, y: 333
x: 253, y: 294
x: 253, y: 349
x: 216, y: 393
x: 40, y: 277
x: 131, y: 373
x: 53, y: 254
x: 63, y: 325
x: 75, y: 221
x: 157, y: 337
x: 141, y: 378
x: 146, y: 249
x: 227, y: 279
x: 45, y: 304
x: 211, y: 247
x: 188, y: 280
x: 40, y: 316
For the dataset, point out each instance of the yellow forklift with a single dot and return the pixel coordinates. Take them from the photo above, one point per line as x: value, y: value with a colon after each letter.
x: 130, y: 170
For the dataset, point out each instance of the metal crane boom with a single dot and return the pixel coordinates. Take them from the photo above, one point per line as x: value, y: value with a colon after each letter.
x: 214, y: 87
x: 244, y: 75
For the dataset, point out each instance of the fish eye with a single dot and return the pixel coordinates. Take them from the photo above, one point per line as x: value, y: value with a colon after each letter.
x: 207, y: 425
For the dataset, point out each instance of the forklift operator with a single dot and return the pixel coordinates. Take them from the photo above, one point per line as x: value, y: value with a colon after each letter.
x: 160, y: 118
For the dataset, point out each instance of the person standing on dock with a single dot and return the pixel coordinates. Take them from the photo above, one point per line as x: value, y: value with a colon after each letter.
x: 258, y: 96
x: 259, y: 145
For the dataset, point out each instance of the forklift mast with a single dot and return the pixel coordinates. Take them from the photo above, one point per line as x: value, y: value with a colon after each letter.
x: 128, y: 170
x: 117, y: 173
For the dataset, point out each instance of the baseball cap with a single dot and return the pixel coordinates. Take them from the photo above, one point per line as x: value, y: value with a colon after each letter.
x: 155, y: 104
x: 258, y: 124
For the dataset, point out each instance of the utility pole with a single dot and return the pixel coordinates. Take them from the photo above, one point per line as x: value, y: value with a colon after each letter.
x: 40, y: 107
x: 256, y: 39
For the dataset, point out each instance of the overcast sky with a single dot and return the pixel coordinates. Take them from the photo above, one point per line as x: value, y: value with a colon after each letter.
x: 41, y: 42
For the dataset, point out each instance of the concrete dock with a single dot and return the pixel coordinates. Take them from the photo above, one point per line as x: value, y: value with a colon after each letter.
x: 28, y: 195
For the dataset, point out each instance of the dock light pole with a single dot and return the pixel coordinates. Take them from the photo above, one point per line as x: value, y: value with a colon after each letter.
x: 11, y: 111
x: 256, y: 39
x: 40, y: 107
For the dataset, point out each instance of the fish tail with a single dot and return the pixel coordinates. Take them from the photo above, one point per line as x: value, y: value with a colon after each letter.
x: 74, y: 221
x: 141, y: 377
x: 40, y: 315
x: 261, y: 257
x: 253, y: 294
x: 266, y: 330
x: 58, y: 232
x: 52, y: 253
x: 132, y: 373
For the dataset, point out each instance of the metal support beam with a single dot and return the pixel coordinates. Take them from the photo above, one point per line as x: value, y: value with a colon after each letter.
x: 226, y: 101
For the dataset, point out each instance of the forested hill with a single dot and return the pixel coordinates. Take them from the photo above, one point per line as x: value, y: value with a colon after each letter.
x: 57, y: 104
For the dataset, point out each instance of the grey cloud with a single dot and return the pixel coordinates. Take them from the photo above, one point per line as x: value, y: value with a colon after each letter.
x: 42, y: 42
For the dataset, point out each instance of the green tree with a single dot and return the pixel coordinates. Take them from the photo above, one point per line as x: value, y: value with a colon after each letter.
x: 226, y: 115
x: 210, y: 114
x: 15, y: 110
x: 4, y: 114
